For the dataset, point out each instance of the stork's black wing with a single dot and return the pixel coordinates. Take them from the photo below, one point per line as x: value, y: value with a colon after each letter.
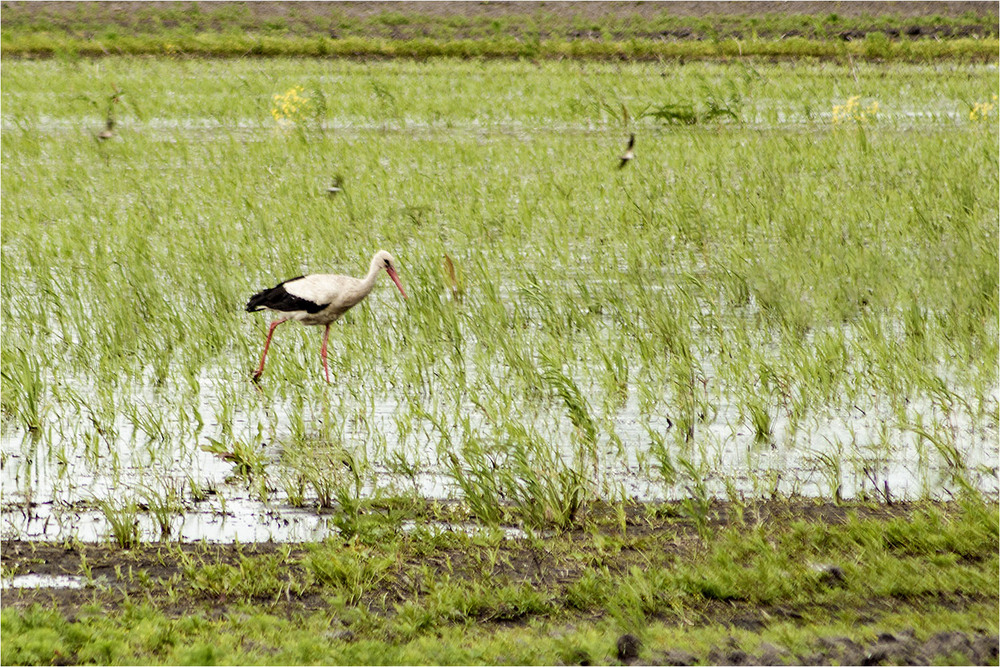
x: 278, y: 298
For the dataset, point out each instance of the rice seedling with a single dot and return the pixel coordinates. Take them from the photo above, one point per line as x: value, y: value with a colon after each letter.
x: 162, y: 504
x: 697, y: 502
x: 690, y: 114
x: 23, y: 389
x: 249, y: 461
x: 543, y: 489
x: 480, y: 491
x: 123, y: 521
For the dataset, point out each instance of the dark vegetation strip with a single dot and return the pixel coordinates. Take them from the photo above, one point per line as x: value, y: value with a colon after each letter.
x: 209, y: 45
x: 319, y: 30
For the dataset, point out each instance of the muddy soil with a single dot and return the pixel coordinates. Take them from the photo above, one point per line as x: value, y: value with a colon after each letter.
x: 593, y: 10
x: 144, y: 572
x: 887, y: 649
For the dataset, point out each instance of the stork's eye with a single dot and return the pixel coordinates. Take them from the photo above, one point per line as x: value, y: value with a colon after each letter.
x: 387, y: 264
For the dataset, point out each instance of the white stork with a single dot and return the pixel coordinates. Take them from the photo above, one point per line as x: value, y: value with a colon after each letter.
x: 319, y: 299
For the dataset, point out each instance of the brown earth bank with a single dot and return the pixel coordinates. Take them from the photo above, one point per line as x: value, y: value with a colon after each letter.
x: 464, y: 20
x: 590, y: 9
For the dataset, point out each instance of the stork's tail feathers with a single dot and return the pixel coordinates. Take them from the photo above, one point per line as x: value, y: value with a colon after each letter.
x: 275, y: 298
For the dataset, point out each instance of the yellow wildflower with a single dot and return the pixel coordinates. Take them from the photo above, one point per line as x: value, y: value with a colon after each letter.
x: 852, y: 110
x: 982, y: 110
x: 291, y: 106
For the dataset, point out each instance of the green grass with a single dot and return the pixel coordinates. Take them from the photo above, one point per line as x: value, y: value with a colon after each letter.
x: 91, y: 19
x: 253, y: 638
x: 826, y: 287
x: 876, y: 48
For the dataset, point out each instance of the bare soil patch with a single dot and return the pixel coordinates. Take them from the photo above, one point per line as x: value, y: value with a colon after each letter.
x: 591, y: 10
x: 465, y: 20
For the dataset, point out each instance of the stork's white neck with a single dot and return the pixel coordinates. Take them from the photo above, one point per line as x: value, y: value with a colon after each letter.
x: 369, y: 281
x: 373, y: 270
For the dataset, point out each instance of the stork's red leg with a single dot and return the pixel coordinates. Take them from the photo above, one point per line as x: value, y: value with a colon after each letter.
x: 322, y: 353
x: 270, y: 332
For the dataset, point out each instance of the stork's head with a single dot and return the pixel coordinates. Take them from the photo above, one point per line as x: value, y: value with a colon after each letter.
x: 383, y: 260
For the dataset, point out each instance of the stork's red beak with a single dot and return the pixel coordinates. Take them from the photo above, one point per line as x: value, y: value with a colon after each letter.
x: 392, y: 274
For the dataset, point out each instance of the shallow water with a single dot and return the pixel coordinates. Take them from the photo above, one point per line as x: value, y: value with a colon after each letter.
x: 52, y: 486
x: 236, y: 521
x: 771, y: 116
x: 148, y: 449
x: 42, y: 581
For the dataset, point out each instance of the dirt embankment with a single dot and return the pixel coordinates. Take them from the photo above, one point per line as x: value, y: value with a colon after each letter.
x: 587, y: 10
x: 563, y: 20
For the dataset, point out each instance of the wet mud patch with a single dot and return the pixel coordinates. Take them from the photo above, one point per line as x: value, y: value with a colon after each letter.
x: 652, y: 556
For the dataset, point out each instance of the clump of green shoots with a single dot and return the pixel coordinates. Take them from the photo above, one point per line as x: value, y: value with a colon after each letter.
x: 123, y: 520
x: 24, y: 388
x: 163, y: 504
x: 352, y: 570
x: 249, y: 461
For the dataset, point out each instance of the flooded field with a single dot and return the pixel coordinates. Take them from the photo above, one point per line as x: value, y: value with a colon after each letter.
x: 780, y: 296
x: 195, y: 495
